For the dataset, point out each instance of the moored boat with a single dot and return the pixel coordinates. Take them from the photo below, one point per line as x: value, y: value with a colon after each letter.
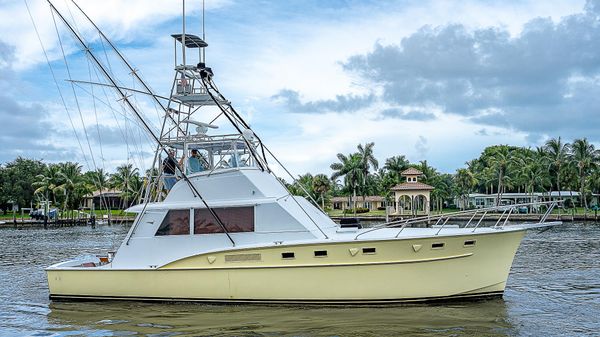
x: 223, y: 228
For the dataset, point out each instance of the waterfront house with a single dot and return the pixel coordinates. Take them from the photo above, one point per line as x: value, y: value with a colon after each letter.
x: 104, y: 199
x: 371, y: 202
x: 481, y: 200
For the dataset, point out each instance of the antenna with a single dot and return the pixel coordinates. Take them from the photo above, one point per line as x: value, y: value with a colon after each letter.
x: 183, y: 35
x: 203, y: 35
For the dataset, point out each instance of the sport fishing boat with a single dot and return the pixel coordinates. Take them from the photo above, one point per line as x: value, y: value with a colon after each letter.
x: 226, y: 229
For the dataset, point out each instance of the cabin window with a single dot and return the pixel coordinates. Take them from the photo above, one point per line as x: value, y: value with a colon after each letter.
x: 437, y: 245
x: 235, y: 220
x: 368, y: 251
x: 320, y: 253
x: 287, y: 255
x: 176, y: 222
x: 470, y: 243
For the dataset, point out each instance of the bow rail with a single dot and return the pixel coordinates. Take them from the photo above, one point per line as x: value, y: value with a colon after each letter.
x: 502, y: 220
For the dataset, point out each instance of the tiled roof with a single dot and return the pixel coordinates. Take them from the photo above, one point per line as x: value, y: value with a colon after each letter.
x: 412, y: 186
x: 411, y: 171
x: 105, y: 193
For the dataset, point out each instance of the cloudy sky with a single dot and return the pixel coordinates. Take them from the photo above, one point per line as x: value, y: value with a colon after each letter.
x: 432, y: 80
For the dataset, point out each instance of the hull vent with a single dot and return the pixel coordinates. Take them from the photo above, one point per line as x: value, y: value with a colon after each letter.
x: 242, y: 257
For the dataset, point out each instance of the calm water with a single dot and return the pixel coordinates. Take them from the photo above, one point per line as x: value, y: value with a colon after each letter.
x: 553, y: 290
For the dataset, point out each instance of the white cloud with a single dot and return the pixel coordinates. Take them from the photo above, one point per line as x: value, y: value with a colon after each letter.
x: 255, y: 59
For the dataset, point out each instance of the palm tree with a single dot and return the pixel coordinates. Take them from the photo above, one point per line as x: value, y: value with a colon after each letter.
x: 500, y: 162
x: 584, y: 156
x: 465, y: 180
x: 72, y: 184
x: 428, y: 171
x: 557, y: 153
x: 122, y: 180
x: 321, y: 185
x: 534, y: 175
x: 350, y: 167
x: 98, y: 180
x: 367, y: 162
x: 394, y: 165
x: 134, y: 189
x: 443, y: 189
x: 304, y: 185
x: 46, y: 183
x: 594, y: 182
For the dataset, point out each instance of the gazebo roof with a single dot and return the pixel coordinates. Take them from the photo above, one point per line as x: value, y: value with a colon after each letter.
x: 411, y: 171
x: 412, y: 186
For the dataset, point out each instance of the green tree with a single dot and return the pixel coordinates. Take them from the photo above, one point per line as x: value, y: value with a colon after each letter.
x: 46, y: 184
x: 443, y: 184
x: 557, y: 153
x: 321, y: 185
x: 501, y: 161
x: 584, y: 157
x: 395, y: 165
x: 464, y: 182
x: 16, y: 179
x: 367, y: 162
x: 350, y: 167
x: 72, y: 184
x: 126, y: 179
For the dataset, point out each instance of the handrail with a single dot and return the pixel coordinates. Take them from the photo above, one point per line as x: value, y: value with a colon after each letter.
x: 468, y: 223
x: 500, y: 218
x: 440, y: 217
x: 479, y: 222
x: 548, y: 211
x: 444, y: 224
x: 507, y: 216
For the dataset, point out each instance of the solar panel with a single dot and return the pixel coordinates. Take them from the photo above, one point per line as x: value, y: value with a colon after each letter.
x: 191, y: 41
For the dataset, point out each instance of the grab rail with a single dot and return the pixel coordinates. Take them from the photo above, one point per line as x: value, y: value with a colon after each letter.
x: 444, y: 218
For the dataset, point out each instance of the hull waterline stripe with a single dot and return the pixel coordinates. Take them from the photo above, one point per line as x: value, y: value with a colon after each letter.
x: 280, y: 301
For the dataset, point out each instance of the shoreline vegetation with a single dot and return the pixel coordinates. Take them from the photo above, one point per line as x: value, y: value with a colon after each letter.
x: 556, y: 166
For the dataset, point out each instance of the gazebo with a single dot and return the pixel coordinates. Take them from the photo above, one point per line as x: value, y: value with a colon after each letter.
x: 412, y: 196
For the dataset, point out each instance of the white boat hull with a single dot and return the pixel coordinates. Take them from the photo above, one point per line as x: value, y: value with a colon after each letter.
x: 400, y: 270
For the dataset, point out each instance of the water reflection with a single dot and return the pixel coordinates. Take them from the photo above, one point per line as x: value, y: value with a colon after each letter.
x: 487, y: 318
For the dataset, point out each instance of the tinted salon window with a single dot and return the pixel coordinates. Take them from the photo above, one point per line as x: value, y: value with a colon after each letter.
x: 177, y: 222
x: 235, y: 220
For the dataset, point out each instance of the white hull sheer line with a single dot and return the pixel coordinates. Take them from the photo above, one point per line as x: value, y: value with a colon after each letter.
x: 216, y: 225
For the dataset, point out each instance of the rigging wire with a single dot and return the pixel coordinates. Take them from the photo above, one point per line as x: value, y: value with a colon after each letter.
x: 56, y: 83
x: 98, y: 172
x: 62, y: 98
x: 251, y: 149
x: 264, y: 148
x: 124, y: 60
x: 126, y: 100
x: 113, y: 110
x: 74, y: 94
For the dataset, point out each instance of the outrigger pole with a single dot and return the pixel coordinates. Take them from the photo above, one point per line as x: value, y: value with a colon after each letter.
x: 133, y: 70
x: 125, y: 99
